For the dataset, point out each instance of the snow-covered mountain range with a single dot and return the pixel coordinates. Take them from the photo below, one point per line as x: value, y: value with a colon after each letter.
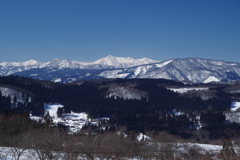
x: 8, y: 68
x: 188, y: 70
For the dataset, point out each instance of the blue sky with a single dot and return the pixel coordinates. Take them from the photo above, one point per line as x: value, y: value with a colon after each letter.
x: 86, y: 30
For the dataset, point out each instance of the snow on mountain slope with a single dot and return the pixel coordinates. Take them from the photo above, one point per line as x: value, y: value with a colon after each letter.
x: 121, y: 62
x: 190, y: 70
x: 60, y: 64
x: 211, y: 79
x: 184, y: 90
x: 235, y: 106
x: 186, y: 70
x: 7, y: 68
x: 113, y: 73
x: 27, y: 63
x: 12, y: 93
x: 52, y: 109
x: 126, y: 93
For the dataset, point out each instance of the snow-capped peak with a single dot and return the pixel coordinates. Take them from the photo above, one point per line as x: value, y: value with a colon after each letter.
x: 122, y: 62
x: 7, y: 68
x: 31, y: 62
x: 18, y: 64
x: 58, y: 63
x: 109, y: 60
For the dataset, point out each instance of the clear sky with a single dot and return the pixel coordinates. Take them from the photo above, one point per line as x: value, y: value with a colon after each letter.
x: 86, y: 30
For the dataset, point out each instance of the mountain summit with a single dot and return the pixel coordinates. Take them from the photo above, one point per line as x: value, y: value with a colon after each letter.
x: 121, y: 62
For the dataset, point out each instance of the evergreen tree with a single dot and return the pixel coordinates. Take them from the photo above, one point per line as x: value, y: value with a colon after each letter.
x: 48, y: 119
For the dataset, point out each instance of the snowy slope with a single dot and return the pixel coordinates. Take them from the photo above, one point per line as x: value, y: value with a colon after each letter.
x: 186, y: 70
x: 189, y: 70
x: 121, y: 62
x: 126, y: 93
x: 235, y: 106
x: 52, y: 109
x: 7, y: 68
x: 12, y: 93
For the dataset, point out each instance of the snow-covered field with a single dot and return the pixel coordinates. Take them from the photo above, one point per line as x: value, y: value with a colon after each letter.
x: 208, y: 147
x: 7, y: 153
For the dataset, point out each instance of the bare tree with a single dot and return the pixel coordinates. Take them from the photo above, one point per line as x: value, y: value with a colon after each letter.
x: 106, y: 146
x: 113, y: 146
x: 46, y: 144
x: 75, y: 147
x: 229, y: 149
x: 18, y: 146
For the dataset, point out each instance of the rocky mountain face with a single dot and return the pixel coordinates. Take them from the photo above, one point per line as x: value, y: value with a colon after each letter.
x: 187, y: 70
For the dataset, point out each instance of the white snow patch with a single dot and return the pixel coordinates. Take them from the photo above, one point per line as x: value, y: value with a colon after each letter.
x: 122, y: 62
x: 141, y: 70
x: 233, y: 117
x: 113, y: 74
x: 184, y: 90
x: 52, y: 109
x: 74, y: 115
x: 211, y: 79
x: 236, y: 91
x: 209, y: 147
x: 126, y: 93
x: 163, y: 64
x: 176, y: 113
x: 71, y: 79
x: 12, y: 93
x: 142, y: 137
x: 235, y: 106
x: 57, y: 80
x: 36, y: 118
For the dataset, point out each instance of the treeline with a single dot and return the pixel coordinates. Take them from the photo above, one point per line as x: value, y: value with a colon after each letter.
x: 153, y: 113
x: 90, y: 97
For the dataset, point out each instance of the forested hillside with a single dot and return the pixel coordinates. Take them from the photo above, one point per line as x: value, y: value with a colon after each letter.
x: 141, y: 105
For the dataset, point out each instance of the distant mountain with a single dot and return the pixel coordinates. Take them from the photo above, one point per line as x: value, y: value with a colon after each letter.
x: 120, y: 62
x: 187, y: 70
x: 8, y: 68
